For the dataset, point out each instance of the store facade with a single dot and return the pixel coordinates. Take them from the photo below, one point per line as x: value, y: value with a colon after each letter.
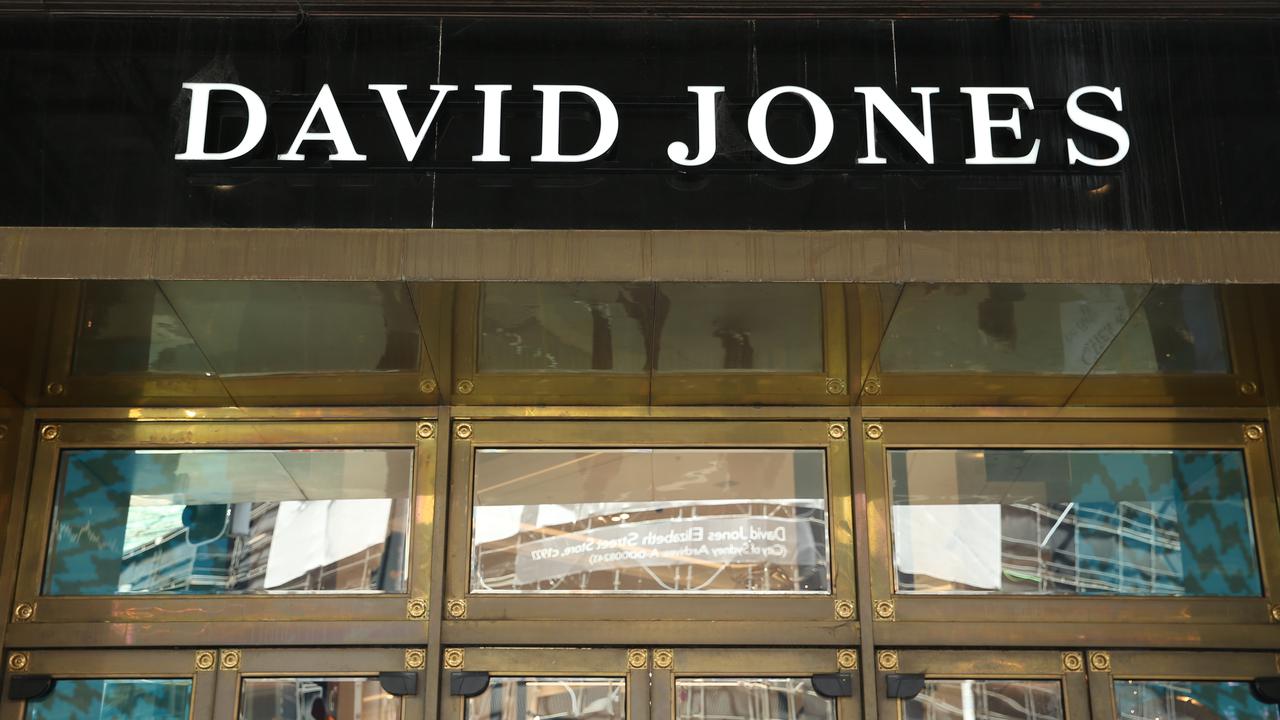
x: 832, y: 362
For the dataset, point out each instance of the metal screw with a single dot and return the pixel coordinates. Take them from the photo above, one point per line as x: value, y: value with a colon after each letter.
x: 426, y: 431
x: 50, y: 432
x: 427, y: 386
x: 836, y: 431
x: 54, y: 389
x: 465, y: 387
x: 1253, y: 432
x: 836, y: 386
x: 463, y: 431
x: 871, y: 386
x: 875, y: 432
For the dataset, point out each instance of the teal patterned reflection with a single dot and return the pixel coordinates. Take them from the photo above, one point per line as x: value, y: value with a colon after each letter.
x: 114, y: 700
x: 1189, y: 700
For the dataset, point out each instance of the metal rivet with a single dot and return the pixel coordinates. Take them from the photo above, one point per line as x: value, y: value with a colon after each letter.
x: 847, y: 659
x: 416, y: 609
x: 871, y: 386
x: 427, y: 387
x: 885, y: 609
x: 54, y: 389
x: 453, y: 658
x: 844, y: 610
x: 875, y: 432
x: 1100, y: 661
x: 415, y: 659
x: 206, y: 659
x: 887, y: 660
x: 456, y: 609
x: 1275, y: 613
x: 1253, y: 432
x: 19, y: 661
x: 1248, y: 387
x: 4, y: 431
x: 24, y: 612
x: 230, y: 659
x: 836, y: 386
x: 637, y: 659
x: 836, y: 431
x: 50, y: 432
x: 1072, y: 661
x: 426, y: 430
x: 664, y: 659
x: 465, y: 387
x: 463, y: 431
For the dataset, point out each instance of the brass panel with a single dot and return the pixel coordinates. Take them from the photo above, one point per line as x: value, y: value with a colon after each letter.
x: 1077, y: 634
x: 165, y: 633
x: 116, y: 664
x: 980, y: 665
x: 774, y: 633
x: 747, y: 663
x: 639, y: 608
x: 193, y: 609
x: 1095, y: 435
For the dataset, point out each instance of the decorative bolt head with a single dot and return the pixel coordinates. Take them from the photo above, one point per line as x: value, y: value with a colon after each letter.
x: 1248, y: 387
x: 1253, y: 432
x: 664, y: 659
x: 453, y: 658
x: 19, y: 661
x: 463, y: 431
x: 465, y: 387
x: 4, y: 431
x: 427, y: 386
x: 55, y: 389
x: 230, y: 659
x: 847, y: 659
x: 24, y: 612
x: 206, y: 659
x: 874, y: 431
x: 836, y: 386
x: 637, y: 659
x: 871, y: 386
x: 426, y: 431
x: 1100, y: 661
x: 50, y: 432
x: 844, y: 610
x: 416, y: 609
x: 1275, y: 613
x: 836, y: 431
x: 415, y: 659
x: 885, y: 609
x: 456, y: 609
x: 887, y: 660
x: 1072, y: 661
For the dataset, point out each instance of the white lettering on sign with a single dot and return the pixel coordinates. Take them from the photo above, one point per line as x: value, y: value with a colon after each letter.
x: 880, y: 108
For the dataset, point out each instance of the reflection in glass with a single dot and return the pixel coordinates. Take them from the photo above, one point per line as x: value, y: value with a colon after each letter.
x: 1117, y: 522
x: 986, y: 700
x: 229, y: 521
x: 561, y: 698
x: 114, y: 700
x: 565, y: 327
x: 1178, y: 330
x: 1189, y: 700
x: 1006, y: 328
x: 317, y: 699
x: 774, y: 327
x: 130, y: 327
x: 668, y: 520
x: 751, y: 699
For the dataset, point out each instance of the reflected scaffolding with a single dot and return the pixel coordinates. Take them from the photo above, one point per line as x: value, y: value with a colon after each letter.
x: 550, y: 698
x: 986, y: 700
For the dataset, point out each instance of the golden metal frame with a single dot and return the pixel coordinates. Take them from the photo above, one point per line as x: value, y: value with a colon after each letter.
x: 316, y: 662
x: 983, y: 665
x: 115, y: 664
x: 633, y: 615
x: 1095, y: 614
x: 1156, y: 665
x: 172, y: 618
x: 747, y: 663
x: 549, y: 662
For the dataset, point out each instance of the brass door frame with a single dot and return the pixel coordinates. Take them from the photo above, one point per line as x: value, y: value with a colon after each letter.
x: 1107, y: 666
x: 751, y: 663
x: 237, y: 665
x: 1044, y: 614
x: 63, y: 387
x: 624, y: 616
x: 198, y: 665
x: 620, y: 663
x: 180, y: 619
x: 1066, y: 668
x: 829, y: 387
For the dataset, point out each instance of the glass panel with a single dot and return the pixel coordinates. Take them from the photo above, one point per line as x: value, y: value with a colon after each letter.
x: 1189, y: 700
x: 262, y: 328
x: 230, y: 521
x: 596, y: 327
x: 740, y: 326
x: 655, y: 521
x: 1178, y: 330
x: 751, y: 699
x: 317, y: 699
x: 130, y: 327
x: 1007, y: 328
x: 986, y: 700
x: 114, y: 700
x: 1118, y: 522
x: 535, y: 698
